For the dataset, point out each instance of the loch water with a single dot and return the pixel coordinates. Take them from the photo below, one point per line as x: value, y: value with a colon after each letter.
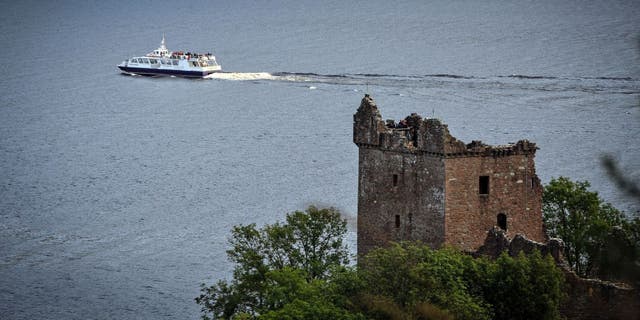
x: 117, y: 193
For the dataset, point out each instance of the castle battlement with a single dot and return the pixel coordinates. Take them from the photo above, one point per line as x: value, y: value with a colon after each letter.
x: 415, y: 134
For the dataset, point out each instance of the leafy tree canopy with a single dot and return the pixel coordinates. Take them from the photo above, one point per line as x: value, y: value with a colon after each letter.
x: 298, y: 270
x: 309, y: 245
x: 585, y: 223
x: 409, y: 277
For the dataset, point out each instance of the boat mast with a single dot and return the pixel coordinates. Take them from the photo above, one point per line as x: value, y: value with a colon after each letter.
x: 162, y: 46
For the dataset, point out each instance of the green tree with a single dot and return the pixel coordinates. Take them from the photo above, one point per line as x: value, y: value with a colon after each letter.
x: 525, y: 287
x: 581, y: 219
x: 406, y: 278
x: 290, y: 295
x: 309, y: 244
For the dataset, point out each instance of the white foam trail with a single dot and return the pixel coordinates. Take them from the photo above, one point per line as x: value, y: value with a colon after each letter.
x: 242, y: 76
x: 293, y: 78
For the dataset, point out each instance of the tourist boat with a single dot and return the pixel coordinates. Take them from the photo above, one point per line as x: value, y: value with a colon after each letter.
x: 165, y: 63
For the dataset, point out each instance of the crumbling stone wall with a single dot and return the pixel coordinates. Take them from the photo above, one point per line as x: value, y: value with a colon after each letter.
x: 589, y: 299
x: 593, y: 299
x: 418, y: 182
x: 498, y: 241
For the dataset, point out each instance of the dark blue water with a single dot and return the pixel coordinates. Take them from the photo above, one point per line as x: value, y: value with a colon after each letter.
x: 117, y: 193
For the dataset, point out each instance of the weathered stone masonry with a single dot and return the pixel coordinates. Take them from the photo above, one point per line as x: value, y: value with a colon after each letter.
x: 417, y: 182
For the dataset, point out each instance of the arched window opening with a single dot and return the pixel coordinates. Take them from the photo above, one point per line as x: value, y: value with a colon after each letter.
x: 502, y: 221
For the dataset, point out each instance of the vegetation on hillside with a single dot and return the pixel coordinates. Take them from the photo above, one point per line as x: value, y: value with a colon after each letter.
x: 299, y: 270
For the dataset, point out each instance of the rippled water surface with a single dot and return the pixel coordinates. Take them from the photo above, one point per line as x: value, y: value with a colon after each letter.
x: 117, y: 193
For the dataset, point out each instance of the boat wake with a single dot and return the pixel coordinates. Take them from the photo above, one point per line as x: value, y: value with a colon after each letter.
x: 241, y: 76
x: 517, y: 81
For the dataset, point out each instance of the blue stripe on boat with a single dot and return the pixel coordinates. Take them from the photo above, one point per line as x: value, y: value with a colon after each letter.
x: 150, y: 71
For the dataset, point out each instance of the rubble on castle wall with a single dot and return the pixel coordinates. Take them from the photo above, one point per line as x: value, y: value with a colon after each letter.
x: 497, y: 241
x: 590, y: 299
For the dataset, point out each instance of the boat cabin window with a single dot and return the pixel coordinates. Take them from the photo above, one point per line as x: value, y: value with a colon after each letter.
x: 153, y: 61
x: 174, y: 62
x: 133, y: 61
x: 145, y: 60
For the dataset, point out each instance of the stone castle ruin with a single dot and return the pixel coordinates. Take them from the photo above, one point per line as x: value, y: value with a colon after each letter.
x: 416, y: 182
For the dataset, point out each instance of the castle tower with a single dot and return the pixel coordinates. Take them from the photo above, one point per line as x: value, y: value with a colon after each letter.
x: 416, y: 182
